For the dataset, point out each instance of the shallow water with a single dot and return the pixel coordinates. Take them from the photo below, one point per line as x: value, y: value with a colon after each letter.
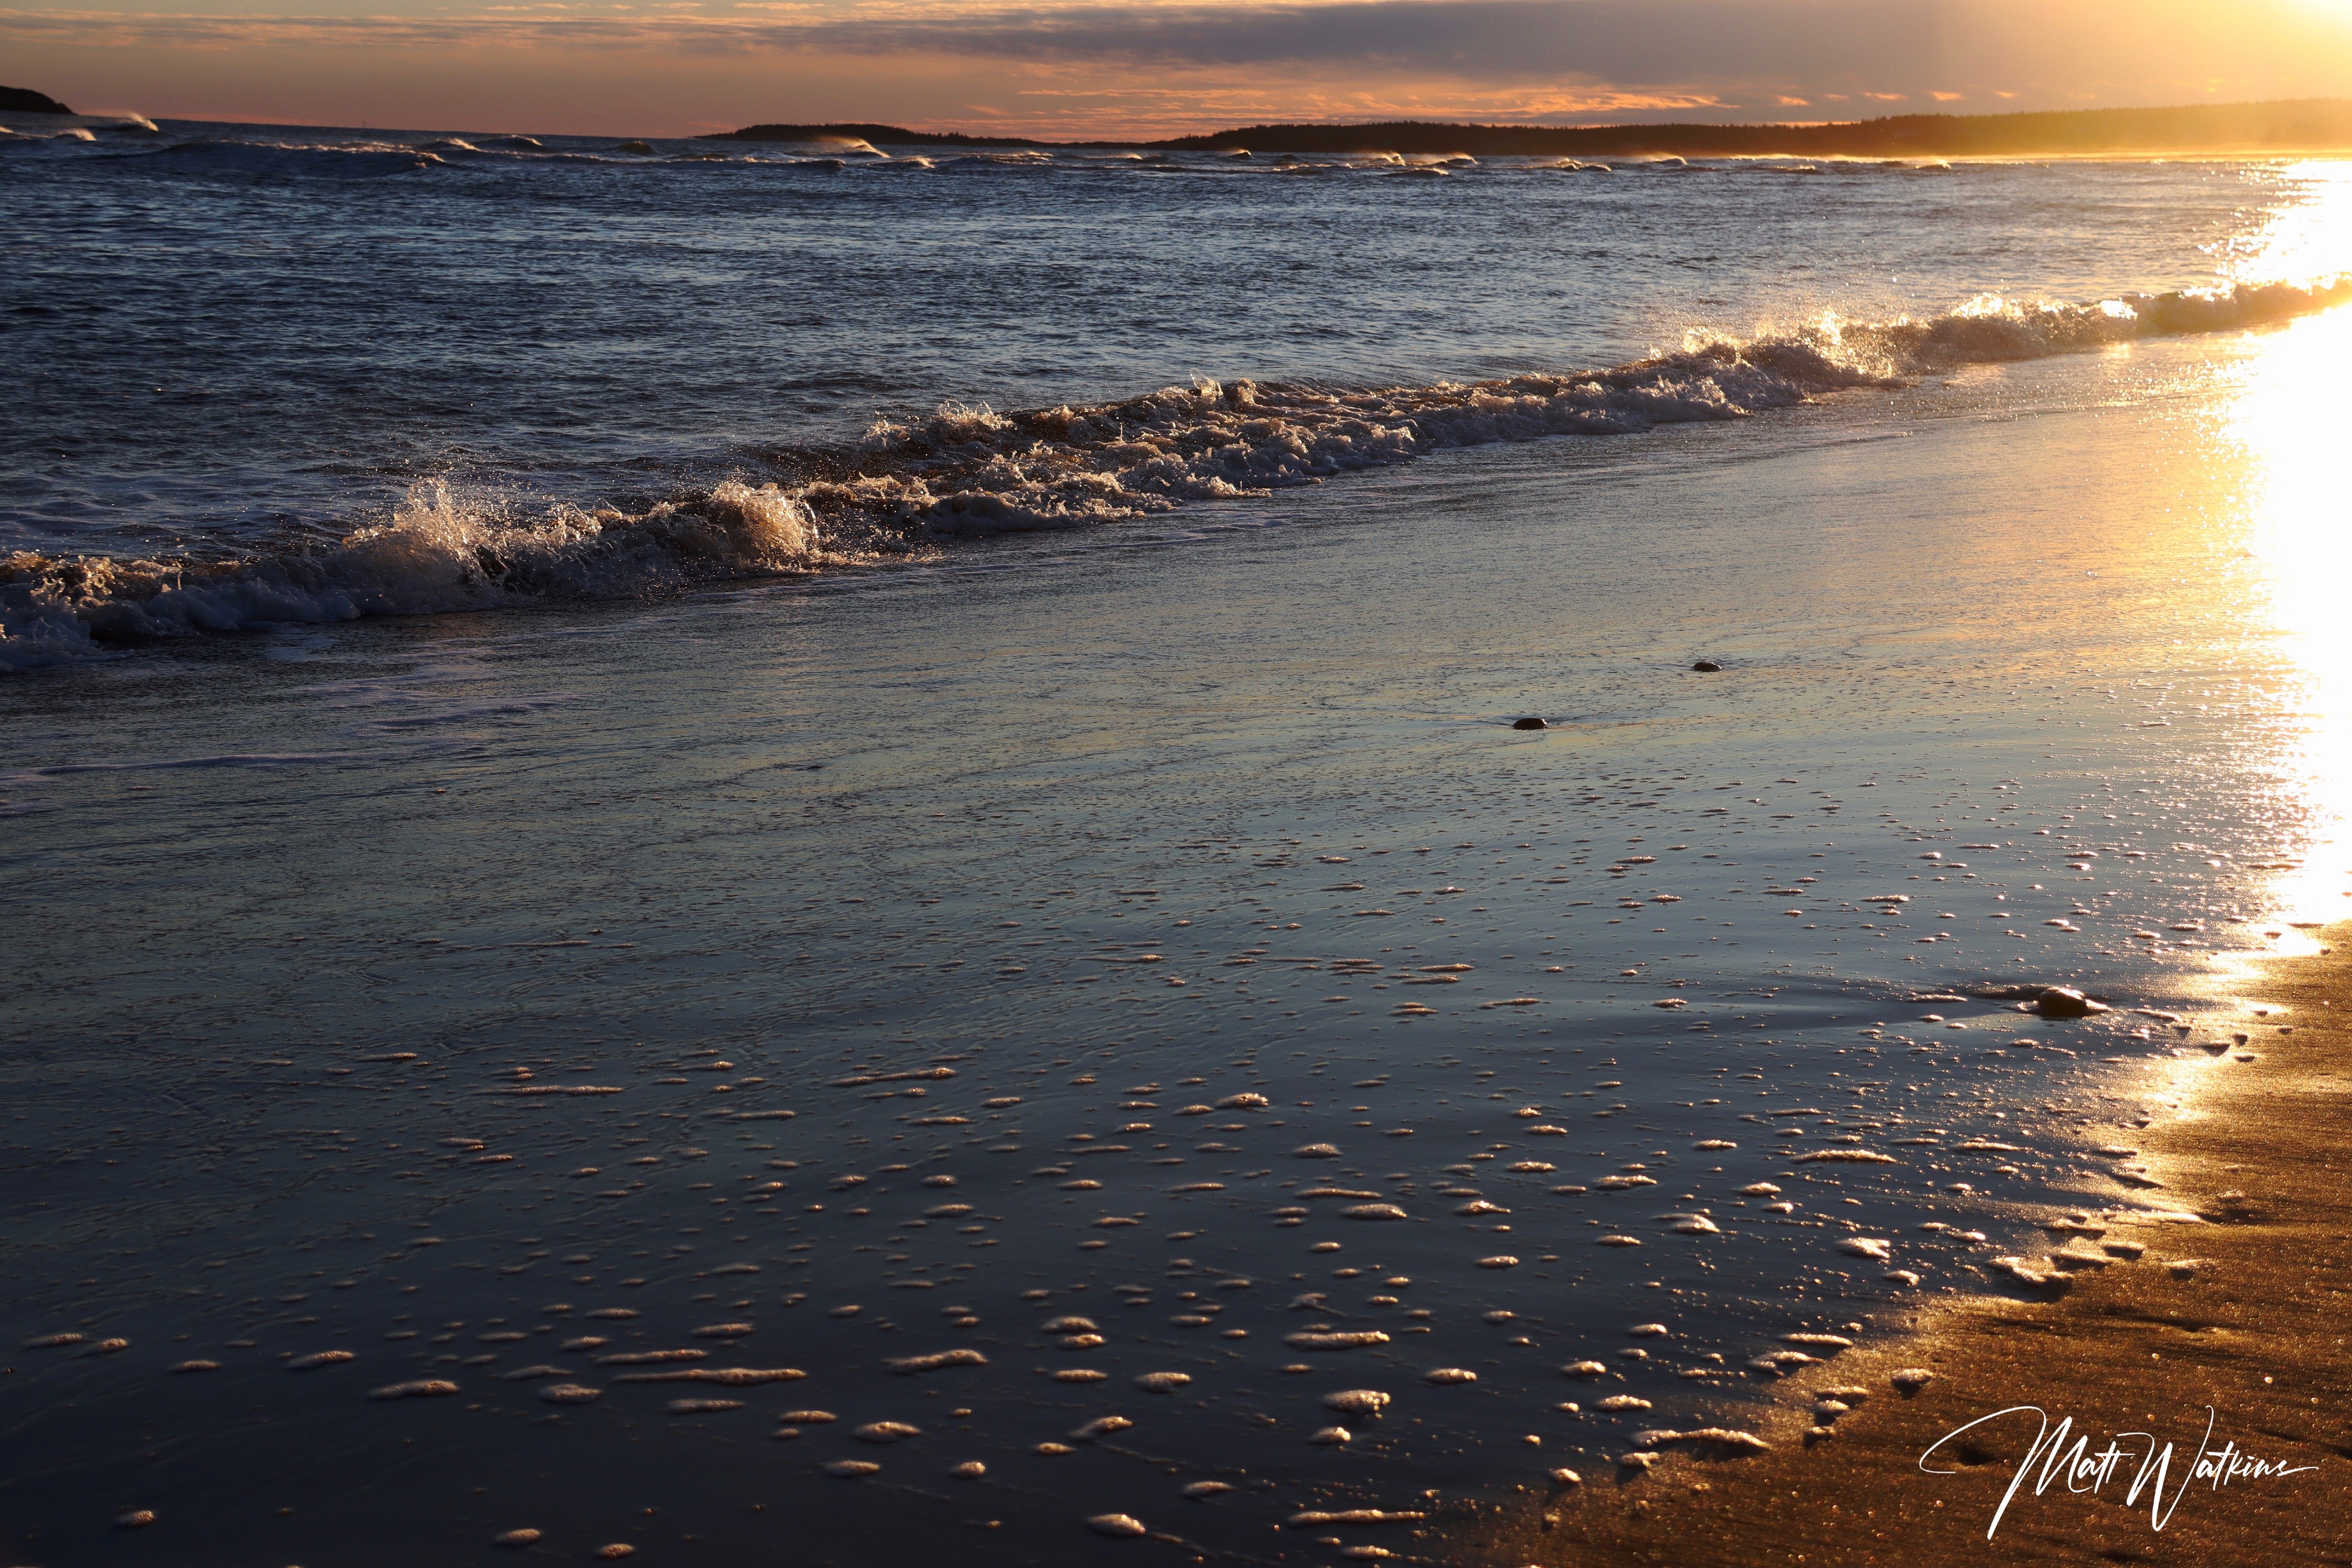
x: 425, y: 988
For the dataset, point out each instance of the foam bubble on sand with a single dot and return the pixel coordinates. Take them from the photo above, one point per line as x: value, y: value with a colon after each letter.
x: 1585, y: 1368
x: 1201, y: 1491
x: 809, y: 1417
x: 1619, y: 1241
x: 886, y: 1431
x: 1831, y: 1342
x: 1313, y: 1340
x: 1446, y: 1375
x: 1373, y: 1211
x: 616, y: 1550
x: 1162, y: 1382
x: 570, y: 1394
x: 318, y: 1359
x: 1500, y: 1260
x: 419, y: 1388
x: 970, y: 1471
x: 54, y: 1341
x: 1117, y: 1524
x: 194, y: 1366
x: 1332, y: 1437
x: 1308, y: 1517
x: 702, y: 1406
x: 1079, y: 1374
x: 722, y: 1331
x: 2023, y: 1272
x: 516, y: 1538
x: 1622, y: 1402
x: 1356, y: 1402
x: 1723, y: 1440
x: 726, y: 1376
x: 644, y: 1358
x: 586, y: 1343
x: 1101, y: 1427
x: 1868, y: 1247
x: 935, y: 1362
x: 851, y: 1469
x: 528, y: 1373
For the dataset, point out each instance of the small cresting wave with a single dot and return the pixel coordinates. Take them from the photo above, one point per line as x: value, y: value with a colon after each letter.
x: 967, y: 470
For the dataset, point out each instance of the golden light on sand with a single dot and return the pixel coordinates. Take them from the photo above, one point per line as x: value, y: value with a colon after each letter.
x: 2290, y: 421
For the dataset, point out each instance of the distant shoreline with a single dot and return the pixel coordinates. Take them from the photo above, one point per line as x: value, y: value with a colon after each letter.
x: 24, y: 101
x: 2301, y: 125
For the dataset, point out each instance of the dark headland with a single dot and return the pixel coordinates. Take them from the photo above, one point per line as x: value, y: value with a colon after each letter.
x: 24, y: 101
x: 2293, y: 126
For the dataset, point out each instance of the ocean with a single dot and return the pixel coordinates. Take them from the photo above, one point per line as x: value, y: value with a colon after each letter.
x: 642, y: 792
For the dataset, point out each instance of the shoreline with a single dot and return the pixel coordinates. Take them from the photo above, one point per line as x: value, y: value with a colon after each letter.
x: 2243, y: 1312
x: 2272, y: 129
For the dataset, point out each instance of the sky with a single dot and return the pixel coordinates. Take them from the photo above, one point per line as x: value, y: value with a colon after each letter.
x: 1111, y: 68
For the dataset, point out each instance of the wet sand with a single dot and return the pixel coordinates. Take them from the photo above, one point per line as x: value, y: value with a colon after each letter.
x: 2243, y: 1312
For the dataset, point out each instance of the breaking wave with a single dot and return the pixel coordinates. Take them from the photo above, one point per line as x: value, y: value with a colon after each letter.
x: 288, y: 160
x: 967, y: 470
x: 436, y: 555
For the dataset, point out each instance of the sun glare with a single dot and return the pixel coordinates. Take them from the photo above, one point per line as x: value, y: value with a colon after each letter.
x: 2290, y: 420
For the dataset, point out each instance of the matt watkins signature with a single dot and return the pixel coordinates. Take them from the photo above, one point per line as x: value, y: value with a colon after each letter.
x: 2059, y: 1456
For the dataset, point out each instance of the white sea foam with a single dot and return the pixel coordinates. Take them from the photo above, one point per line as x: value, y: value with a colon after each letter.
x: 970, y: 471
x: 438, y: 553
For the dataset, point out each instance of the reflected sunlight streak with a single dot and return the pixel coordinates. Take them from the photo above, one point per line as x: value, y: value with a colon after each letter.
x: 2290, y: 419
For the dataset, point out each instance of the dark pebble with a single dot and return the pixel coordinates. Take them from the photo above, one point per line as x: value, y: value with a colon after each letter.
x: 2065, y: 1002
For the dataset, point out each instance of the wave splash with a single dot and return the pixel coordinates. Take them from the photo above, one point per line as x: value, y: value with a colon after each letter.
x: 967, y: 470
x: 438, y: 554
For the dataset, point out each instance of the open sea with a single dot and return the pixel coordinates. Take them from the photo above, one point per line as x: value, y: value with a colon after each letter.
x: 820, y: 856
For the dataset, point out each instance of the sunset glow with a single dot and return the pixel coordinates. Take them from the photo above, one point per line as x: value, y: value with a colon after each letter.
x: 1099, y: 68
